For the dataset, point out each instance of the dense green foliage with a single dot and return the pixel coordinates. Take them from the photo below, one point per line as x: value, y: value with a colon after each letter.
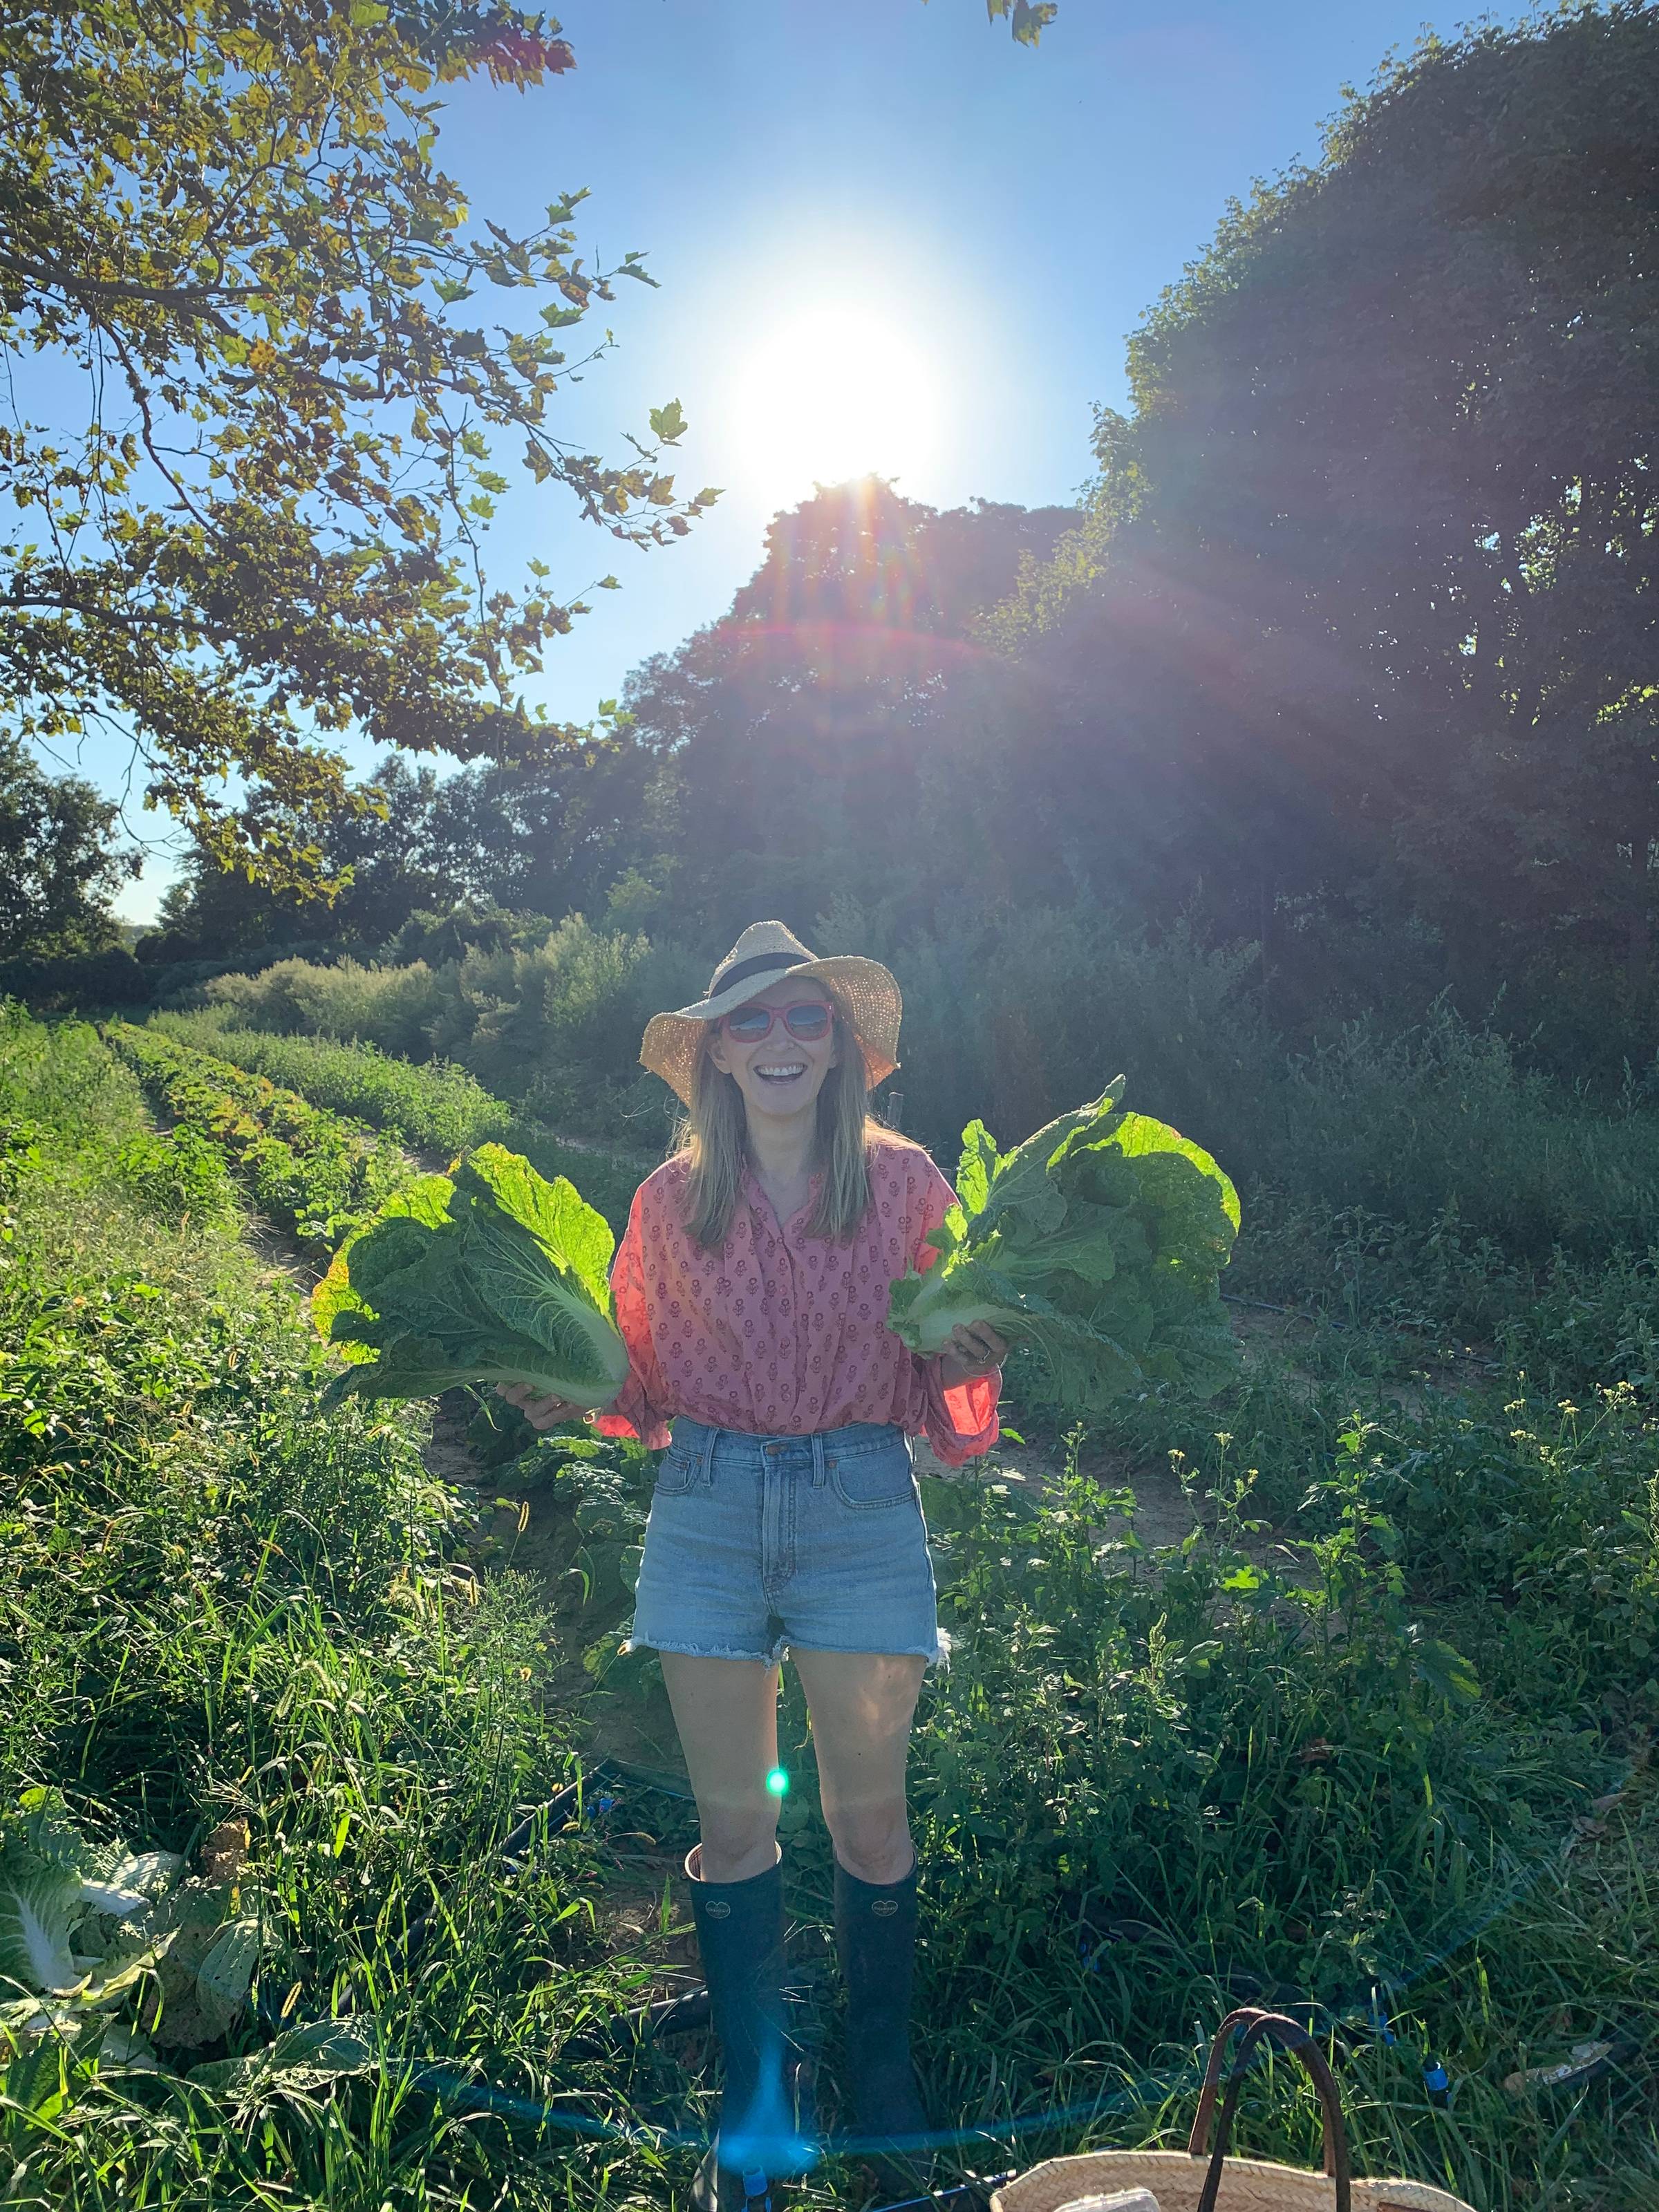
x: 1345, y: 668
x: 488, y: 1274
x: 215, y: 1606
x: 242, y: 224
x: 58, y: 870
x: 1427, y: 1175
x: 1373, y: 1766
x: 436, y: 1106
x: 1305, y: 775
x: 1095, y: 1246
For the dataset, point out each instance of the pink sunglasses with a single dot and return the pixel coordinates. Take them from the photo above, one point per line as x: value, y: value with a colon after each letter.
x: 809, y: 1020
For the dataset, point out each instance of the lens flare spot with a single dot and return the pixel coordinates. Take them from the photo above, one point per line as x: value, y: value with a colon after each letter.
x: 778, y: 1782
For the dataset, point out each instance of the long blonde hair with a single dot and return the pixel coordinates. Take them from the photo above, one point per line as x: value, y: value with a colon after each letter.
x: 714, y: 1138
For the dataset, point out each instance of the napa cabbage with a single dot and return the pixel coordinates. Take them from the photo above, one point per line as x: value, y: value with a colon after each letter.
x: 1097, y: 1245
x: 488, y: 1274
x: 74, y: 1917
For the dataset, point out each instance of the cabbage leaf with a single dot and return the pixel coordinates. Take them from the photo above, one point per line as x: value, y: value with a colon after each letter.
x: 488, y: 1274
x: 1097, y: 1245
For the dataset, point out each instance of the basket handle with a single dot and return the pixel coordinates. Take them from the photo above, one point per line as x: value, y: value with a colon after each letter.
x: 1292, y: 2036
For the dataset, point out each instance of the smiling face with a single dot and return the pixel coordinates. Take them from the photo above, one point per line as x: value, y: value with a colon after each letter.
x: 779, y: 1074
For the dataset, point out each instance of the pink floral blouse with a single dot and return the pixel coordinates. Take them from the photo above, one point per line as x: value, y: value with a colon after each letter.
x: 780, y: 1333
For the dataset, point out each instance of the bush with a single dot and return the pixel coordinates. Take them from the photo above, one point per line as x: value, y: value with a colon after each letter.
x: 1440, y: 1122
x: 89, y: 979
x: 391, y: 1007
x: 178, y: 1177
x: 557, y: 1026
x: 1017, y: 1016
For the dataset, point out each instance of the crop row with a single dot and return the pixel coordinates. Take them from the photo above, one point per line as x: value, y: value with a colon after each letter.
x: 434, y: 1107
x: 319, y: 1171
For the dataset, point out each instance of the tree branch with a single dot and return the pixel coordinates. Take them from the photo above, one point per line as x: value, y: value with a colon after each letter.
x: 184, y: 301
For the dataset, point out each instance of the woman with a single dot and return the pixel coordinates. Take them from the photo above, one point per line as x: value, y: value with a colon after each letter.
x: 751, y: 1288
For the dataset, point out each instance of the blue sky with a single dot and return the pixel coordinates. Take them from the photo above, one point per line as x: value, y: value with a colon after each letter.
x: 874, y: 196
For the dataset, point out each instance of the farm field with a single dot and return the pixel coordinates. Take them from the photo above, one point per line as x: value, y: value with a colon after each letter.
x: 1145, y: 604
x: 1373, y: 1737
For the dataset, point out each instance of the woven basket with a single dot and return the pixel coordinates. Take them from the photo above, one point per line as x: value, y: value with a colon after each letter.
x: 1203, y: 2178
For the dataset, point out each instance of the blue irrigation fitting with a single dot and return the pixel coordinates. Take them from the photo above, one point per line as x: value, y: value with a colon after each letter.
x: 1437, y: 2081
x: 1376, y: 2020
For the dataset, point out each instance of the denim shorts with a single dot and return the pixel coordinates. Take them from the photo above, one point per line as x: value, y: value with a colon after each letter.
x: 756, y: 1543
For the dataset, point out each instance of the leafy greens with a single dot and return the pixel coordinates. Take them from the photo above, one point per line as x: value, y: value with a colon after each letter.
x: 74, y: 1917
x: 1095, y: 1244
x: 492, y: 1274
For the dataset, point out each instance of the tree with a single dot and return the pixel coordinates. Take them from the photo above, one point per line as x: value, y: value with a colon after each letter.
x: 382, y: 862
x: 1386, y: 512
x: 59, y: 868
x: 838, y: 734
x: 227, y: 220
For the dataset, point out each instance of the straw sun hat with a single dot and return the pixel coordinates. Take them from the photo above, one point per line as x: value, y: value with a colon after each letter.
x: 764, y: 954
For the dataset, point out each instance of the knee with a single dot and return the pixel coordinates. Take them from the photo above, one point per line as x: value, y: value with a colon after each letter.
x: 872, y: 1842
x: 737, y: 1841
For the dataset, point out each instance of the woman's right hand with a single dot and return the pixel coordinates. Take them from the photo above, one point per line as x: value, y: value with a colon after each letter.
x: 541, y: 1412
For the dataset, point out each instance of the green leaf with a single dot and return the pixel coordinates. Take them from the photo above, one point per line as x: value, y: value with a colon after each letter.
x: 1032, y: 21
x: 668, y: 423
x: 976, y: 1167
x: 298, y: 2058
x: 1442, y: 1669
x: 38, y: 1901
x: 1095, y: 1245
x: 225, y: 1976
x: 508, y: 1283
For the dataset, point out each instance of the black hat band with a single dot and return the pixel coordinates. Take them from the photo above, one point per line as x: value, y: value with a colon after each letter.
x: 763, y: 964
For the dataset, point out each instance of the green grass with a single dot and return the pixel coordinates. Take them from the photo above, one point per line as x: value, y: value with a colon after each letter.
x: 1148, y: 1785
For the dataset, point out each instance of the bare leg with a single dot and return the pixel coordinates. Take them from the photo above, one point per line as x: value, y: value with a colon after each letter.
x: 862, y: 1703
x: 726, y: 1712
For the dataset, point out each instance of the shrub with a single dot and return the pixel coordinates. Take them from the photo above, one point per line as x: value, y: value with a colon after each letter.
x: 557, y: 1026
x: 1439, y: 1120
x: 1018, y: 1016
x: 391, y: 1007
x: 178, y: 1177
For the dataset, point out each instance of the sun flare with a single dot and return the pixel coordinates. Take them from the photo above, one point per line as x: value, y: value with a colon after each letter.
x: 836, y: 390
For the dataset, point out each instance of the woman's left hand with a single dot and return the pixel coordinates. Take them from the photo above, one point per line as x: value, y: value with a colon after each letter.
x: 973, y: 1348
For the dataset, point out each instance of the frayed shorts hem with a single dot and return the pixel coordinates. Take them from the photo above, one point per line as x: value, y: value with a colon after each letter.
x: 940, y: 1656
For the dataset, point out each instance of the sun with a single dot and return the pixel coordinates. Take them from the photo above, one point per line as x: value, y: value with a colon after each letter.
x: 836, y: 390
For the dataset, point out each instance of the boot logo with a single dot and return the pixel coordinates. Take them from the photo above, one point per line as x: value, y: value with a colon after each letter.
x: 885, y: 1907
x: 718, y: 1909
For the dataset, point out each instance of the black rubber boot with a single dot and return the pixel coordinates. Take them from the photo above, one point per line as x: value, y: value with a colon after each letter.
x: 740, y: 1935
x: 876, y: 1936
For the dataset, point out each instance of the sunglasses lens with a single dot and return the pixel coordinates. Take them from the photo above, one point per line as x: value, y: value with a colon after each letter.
x: 807, y: 1022
x: 751, y: 1023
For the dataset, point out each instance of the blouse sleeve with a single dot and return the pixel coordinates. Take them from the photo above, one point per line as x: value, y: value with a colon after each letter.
x: 962, y: 1422
x: 641, y: 1406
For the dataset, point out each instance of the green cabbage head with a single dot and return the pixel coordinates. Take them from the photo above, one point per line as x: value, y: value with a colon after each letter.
x: 491, y: 1275
x: 1097, y: 1244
